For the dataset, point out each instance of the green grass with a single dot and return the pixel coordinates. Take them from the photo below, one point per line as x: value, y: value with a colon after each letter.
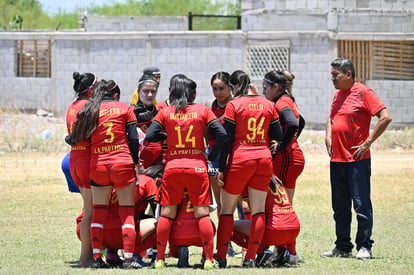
x: 37, y: 232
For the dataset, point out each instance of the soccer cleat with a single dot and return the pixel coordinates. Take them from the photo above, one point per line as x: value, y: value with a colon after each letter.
x: 112, y: 259
x: 364, y: 254
x: 336, y: 253
x: 139, y: 260
x: 250, y: 263
x: 222, y: 263
x: 208, y: 265
x: 98, y: 263
x: 183, y: 257
x: 262, y: 259
x: 160, y: 264
x: 293, y: 259
x: 281, y: 259
x: 131, y: 264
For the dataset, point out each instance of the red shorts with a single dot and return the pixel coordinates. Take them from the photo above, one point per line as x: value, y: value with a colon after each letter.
x: 288, y: 166
x: 79, y: 170
x: 280, y: 237
x: 186, y: 233
x: 118, y: 174
x: 255, y: 173
x: 176, y: 180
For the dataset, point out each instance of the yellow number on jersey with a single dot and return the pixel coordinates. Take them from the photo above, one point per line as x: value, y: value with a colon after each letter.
x: 254, y: 128
x: 280, y: 195
x: 188, y: 137
x: 109, y: 132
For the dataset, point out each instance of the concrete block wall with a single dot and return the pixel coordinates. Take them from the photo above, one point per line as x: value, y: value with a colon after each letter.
x: 136, y: 23
x: 121, y: 57
x: 25, y: 93
x: 398, y: 96
x: 249, y: 5
x: 375, y: 21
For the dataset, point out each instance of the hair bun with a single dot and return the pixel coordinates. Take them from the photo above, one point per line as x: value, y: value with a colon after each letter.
x: 76, y: 75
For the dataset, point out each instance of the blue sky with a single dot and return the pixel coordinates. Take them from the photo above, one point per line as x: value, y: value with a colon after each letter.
x: 54, y: 6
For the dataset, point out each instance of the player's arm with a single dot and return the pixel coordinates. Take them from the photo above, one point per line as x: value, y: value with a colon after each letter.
x: 292, y: 126
x: 230, y: 130
x: 220, y: 135
x: 155, y: 132
x: 133, y: 140
x: 301, y: 125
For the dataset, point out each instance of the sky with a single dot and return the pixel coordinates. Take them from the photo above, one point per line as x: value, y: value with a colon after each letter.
x: 54, y: 6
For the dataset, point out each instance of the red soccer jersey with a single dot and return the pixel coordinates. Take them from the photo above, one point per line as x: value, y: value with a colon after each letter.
x: 185, y: 132
x: 284, y: 102
x: 144, y: 192
x: 83, y: 147
x: 351, y: 113
x: 109, y: 141
x: 279, y: 211
x: 252, y: 115
x: 162, y: 104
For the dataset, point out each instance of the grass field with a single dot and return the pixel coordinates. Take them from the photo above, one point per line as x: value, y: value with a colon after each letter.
x: 37, y: 231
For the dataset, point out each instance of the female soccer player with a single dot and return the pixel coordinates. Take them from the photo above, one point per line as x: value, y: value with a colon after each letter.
x: 111, y: 126
x: 288, y: 162
x: 186, y: 167
x: 249, y: 120
x: 79, y: 161
x: 282, y: 227
x: 222, y: 93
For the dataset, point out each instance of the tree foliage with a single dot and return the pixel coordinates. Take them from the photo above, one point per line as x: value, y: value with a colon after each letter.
x: 30, y: 15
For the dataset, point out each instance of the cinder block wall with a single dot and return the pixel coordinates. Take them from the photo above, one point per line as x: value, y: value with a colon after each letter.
x: 310, y: 27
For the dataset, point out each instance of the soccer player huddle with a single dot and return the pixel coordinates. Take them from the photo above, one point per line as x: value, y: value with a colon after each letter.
x: 150, y: 173
x: 146, y: 171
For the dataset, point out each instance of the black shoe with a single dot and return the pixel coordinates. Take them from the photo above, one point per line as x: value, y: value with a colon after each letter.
x: 131, y: 264
x: 183, y: 257
x: 98, y: 263
x: 222, y: 263
x: 250, y: 263
x: 113, y: 261
x: 261, y: 260
x: 282, y: 258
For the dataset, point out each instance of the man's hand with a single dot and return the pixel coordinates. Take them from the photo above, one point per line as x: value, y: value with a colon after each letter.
x: 360, y: 150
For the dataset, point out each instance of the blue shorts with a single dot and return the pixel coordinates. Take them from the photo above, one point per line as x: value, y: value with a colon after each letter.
x: 214, y: 164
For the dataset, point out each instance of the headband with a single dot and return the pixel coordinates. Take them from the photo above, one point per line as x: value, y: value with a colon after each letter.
x: 147, y: 80
x: 87, y: 89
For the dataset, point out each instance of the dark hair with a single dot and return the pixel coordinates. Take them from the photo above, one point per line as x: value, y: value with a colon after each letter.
x: 151, y: 70
x: 176, y: 77
x: 240, y: 83
x: 276, y: 77
x: 182, y: 93
x: 155, y: 171
x: 274, y: 182
x: 289, y: 80
x: 87, y: 118
x: 223, y: 76
x: 344, y: 64
x: 83, y: 82
x: 144, y: 114
x: 147, y: 78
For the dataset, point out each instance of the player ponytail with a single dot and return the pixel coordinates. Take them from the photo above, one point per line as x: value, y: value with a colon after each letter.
x: 87, y: 118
